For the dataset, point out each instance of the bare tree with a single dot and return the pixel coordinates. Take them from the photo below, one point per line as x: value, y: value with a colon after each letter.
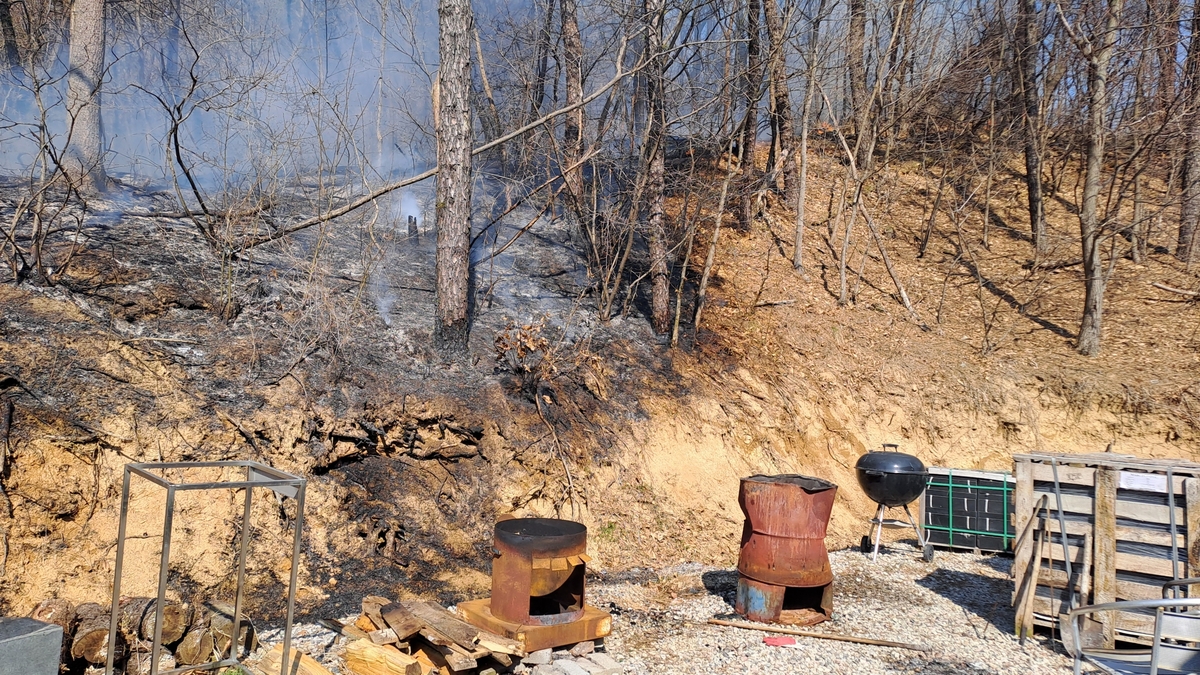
x: 655, y: 150
x: 1028, y: 43
x: 454, y: 133
x: 781, y: 109
x: 84, y: 153
x: 1098, y: 53
x: 1190, y: 208
x: 573, y: 68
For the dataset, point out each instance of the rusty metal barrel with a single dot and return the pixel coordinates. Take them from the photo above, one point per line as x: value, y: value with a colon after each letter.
x: 538, y: 570
x: 783, y: 539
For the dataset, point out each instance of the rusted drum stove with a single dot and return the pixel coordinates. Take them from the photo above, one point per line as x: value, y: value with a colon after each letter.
x: 538, y: 576
x: 783, y: 570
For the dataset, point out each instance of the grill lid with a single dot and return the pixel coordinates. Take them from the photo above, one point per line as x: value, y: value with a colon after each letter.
x: 541, y: 534
x: 890, y: 463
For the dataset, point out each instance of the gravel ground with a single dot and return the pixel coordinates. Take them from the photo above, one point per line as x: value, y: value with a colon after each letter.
x: 958, y: 605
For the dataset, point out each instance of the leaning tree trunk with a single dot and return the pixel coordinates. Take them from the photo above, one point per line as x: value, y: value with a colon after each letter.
x: 754, y: 79
x: 1027, y: 63
x: 83, y: 159
x: 454, y: 175
x: 573, y: 128
x: 1189, y: 211
x: 784, y: 129
x: 660, y: 293
x: 1089, y: 217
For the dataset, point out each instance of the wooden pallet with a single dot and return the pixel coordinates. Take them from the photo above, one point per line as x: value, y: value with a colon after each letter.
x: 1122, y: 503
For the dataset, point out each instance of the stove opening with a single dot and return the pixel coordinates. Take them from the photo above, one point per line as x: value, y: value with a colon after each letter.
x: 568, y: 597
x: 795, y: 598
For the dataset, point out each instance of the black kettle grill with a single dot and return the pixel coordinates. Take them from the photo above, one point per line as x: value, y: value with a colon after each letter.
x: 890, y: 479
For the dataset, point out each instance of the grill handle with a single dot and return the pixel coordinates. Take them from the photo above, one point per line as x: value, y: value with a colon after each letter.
x: 873, y: 472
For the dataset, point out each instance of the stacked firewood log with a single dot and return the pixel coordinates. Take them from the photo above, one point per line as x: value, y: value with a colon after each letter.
x: 417, y: 637
x: 190, y: 635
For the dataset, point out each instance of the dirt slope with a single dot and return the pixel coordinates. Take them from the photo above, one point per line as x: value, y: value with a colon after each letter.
x: 410, y: 458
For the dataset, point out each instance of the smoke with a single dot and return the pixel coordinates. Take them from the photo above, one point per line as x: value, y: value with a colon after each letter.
x: 334, y: 88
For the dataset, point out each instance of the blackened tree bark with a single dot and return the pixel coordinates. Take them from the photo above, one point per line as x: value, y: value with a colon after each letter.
x: 754, y: 82
x: 660, y: 294
x: 1099, y: 56
x: 454, y: 132
x: 1189, y: 212
x: 83, y: 160
x: 573, y: 129
x: 782, y: 109
x: 8, y: 33
x: 1028, y: 43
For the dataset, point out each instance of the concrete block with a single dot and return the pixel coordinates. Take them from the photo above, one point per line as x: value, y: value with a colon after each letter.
x: 547, y: 669
x: 605, y: 661
x: 583, y: 648
x: 570, y: 667
x: 593, y: 668
x: 29, y: 647
x: 538, y: 658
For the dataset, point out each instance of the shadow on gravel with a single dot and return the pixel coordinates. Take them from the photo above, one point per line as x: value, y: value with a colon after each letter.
x: 721, y: 583
x: 984, y: 597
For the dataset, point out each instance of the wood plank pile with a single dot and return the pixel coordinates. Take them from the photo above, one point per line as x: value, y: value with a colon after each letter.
x: 416, y: 637
x: 190, y: 635
x: 1131, y: 525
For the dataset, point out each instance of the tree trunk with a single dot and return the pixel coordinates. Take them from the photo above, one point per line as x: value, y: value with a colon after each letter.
x: 8, y: 33
x: 1089, y: 216
x: 573, y: 129
x: 454, y: 176
x: 84, y: 153
x: 856, y: 40
x: 810, y: 89
x: 784, y: 127
x: 1028, y: 43
x: 754, y: 80
x: 1189, y: 211
x: 60, y: 613
x: 660, y: 292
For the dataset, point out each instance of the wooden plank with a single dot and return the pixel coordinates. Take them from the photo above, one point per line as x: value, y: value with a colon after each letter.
x: 1067, y: 475
x: 400, y: 620
x: 1192, y: 497
x: 1114, y: 461
x: 1026, y: 608
x: 1022, y: 515
x: 942, y: 472
x: 440, y: 620
x: 301, y: 664
x: 1123, y: 621
x: 1159, y: 514
x: 1126, y: 562
x: 364, y: 657
x: 1104, y: 571
x: 1125, y: 590
x: 453, y: 656
x: 1127, y: 533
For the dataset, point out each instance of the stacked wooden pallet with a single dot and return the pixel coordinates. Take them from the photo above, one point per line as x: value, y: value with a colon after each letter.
x: 1131, y: 525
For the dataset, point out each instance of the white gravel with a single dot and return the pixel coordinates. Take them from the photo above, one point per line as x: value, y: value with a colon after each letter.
x: 958, y: 605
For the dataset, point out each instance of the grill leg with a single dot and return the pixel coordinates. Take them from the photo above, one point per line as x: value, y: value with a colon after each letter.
x: 920, y: 536
x: 878, y: 531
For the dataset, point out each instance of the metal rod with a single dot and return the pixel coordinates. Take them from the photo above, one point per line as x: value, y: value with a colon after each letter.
x: 241, y: 576
x: 878, y: 531
x: 1062, y: 533
x: 1174, y: 530
x: 291, y: 599
x: 116, y: 594
x: 164, y: 568
x: 920, y: 539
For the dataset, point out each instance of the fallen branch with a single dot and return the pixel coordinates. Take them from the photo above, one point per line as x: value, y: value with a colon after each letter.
x: 824, y: 636
x: 774, y: 303
x: 1169, y: 289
